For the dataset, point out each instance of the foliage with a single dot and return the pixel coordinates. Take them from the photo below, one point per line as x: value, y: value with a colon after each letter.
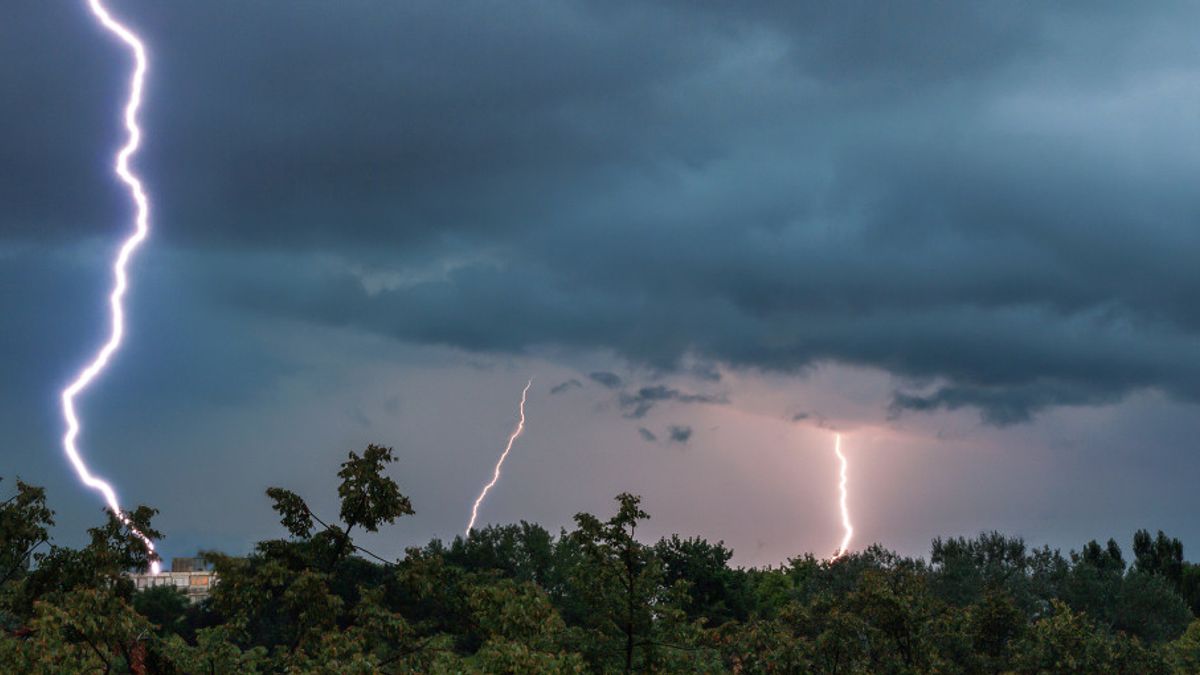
x: 595, y: 598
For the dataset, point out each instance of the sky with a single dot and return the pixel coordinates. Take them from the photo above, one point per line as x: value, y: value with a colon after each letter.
x: 963, y: 235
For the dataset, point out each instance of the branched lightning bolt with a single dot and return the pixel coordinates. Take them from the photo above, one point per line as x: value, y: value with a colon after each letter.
x: 849, y: 529
x: 496, y: 474
x: 131, y: 244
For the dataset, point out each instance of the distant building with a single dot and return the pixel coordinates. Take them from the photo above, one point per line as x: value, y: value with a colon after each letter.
x: 192, y: 576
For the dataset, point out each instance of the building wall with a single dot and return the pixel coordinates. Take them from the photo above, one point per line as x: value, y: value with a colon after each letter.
x: 195, y: 584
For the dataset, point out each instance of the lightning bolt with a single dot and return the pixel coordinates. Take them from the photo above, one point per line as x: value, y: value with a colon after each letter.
x: 121, y: 282
x: 846, y: 525
x: 496, y: 474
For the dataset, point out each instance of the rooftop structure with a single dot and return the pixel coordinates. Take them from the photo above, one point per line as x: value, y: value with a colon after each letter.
x: 191, y: 576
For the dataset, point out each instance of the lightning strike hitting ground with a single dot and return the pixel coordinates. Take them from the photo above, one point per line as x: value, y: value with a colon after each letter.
x: 849, y: 529
x: 131, y: 244
x: 496, y: 474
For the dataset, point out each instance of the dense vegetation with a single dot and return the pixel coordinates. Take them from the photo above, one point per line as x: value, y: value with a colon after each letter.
x: 593, y: 599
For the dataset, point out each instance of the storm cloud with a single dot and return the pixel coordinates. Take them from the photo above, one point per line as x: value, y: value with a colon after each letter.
x: 565, y: 385
x: 679, y: 433
x: 640, y: 402
x: 993, y: 202
x: 609, y: 380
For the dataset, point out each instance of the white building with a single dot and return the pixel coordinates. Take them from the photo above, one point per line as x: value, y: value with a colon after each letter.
x: 189, y: 575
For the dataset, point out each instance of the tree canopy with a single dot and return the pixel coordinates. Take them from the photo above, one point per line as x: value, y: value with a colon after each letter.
x: 594, y: 598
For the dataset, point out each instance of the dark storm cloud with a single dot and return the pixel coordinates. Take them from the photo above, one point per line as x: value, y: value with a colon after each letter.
x: 679, y: 434
x: 609, y: 380
x: 992, y: 201
x: 637, y: 404
x: 1000, y: 406
x: 647, y: 435
x: 563, y: 386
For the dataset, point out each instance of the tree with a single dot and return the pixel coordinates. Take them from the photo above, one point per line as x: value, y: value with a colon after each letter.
x: 524, y: 633
x: 630, y: 613
x: 716, y: 593
x: 1066, y: 642
x: 24, y: 519
x: 897, y: 610
x: 1147, y: 606
x: 524, y: 552
x: 368, y: 499
x: 1093, y: 584
x: 1162, y: 556
x: 963, y: 569
x: 303, y: 598
x: 994, y: 625
x: 164, y: 606
x: 1189, y: 586
x: 1184, y: 653
x: 517, y: 599
x: 82, y: 630
x: 620, y: 580
x: 72, y: 612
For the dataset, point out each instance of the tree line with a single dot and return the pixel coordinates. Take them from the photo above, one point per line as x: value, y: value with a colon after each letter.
x: 595, y: 598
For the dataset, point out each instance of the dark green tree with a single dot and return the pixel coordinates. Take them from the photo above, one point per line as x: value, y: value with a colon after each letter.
x: 1161, y: 555
x: 24, y: 519
x: 631, y: 620
x: 715, y: 592
x: 164, y: 606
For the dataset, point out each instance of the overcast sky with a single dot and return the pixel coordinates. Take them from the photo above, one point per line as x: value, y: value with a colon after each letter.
x: 966, y: 235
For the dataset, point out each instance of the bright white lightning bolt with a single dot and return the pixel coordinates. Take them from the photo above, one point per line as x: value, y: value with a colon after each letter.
x: 849, y: 529
x: 141, y: 229
x: 496, y: 474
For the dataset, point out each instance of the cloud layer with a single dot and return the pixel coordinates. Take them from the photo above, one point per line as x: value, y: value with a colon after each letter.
x: 992, y: 202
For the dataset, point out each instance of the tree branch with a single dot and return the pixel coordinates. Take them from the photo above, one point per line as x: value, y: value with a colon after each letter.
x: 346, y: 534
x: 16, y: 566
